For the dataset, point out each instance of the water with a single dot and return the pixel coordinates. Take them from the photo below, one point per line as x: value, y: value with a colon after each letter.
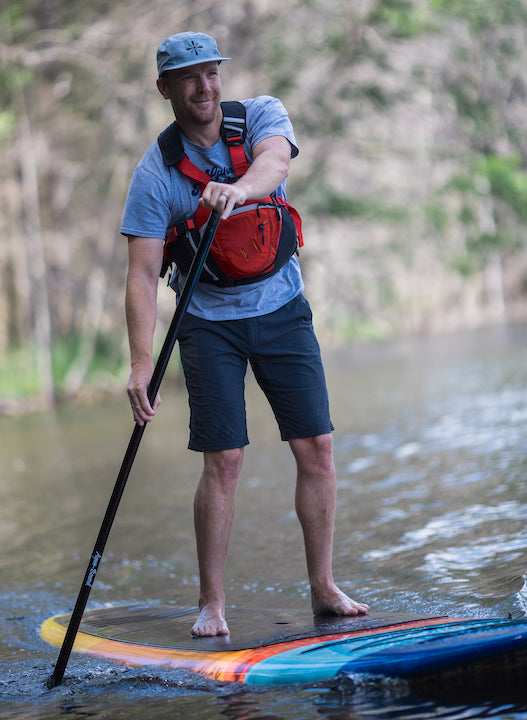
x: 430, y: 448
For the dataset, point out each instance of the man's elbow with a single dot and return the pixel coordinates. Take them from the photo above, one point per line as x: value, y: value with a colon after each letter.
x: 285, y: 169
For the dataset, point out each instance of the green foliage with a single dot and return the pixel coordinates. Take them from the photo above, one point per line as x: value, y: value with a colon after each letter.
x: 12, y: 80
x: 478, y: 250
x: 12, y: 21
x: 18, y: 375
x: 7, y: 123
x: 326, y: 200
x: 507, y: 180
x: 375, y: 94
x: 402, y: 18
x: 281, y: 59
x: 107, y: 356
x: 467, y: 215
x: 64, y: 353
x: 329, y: 201
x: 437, y: 216
x: 502, y: 177
x: 496, y: 180
x: 469, y: 101
x: 462, y: 183
x: 349, y: 328
x: 483, y: 15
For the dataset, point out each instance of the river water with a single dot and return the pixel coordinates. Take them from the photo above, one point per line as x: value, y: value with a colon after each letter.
x: 430, y: 447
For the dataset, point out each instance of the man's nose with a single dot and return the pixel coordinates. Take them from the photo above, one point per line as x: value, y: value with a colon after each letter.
x: 203, y: 83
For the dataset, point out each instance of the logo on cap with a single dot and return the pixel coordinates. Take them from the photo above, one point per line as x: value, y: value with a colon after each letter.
x: 194, y: 47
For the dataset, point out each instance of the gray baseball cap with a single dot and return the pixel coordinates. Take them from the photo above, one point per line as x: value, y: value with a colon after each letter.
x: 185, y: 49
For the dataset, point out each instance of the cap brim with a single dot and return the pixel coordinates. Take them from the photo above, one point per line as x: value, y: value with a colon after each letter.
x: 179, y: 66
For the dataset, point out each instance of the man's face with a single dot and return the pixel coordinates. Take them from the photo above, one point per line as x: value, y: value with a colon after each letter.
x: 195, y: 93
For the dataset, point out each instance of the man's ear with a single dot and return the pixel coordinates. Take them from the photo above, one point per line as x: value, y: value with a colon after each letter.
x: 161, y: 86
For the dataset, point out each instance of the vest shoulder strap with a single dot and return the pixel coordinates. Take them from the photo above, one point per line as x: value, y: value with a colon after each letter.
x: 171, y: 145
x: 234, y: 125
x: 233, y: 133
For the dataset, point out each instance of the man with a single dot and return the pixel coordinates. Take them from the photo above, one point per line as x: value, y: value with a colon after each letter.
x: 267, y: 323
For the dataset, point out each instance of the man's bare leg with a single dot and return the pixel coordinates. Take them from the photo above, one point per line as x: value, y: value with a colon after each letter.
x: 213, y: 515
x: 316, y: 491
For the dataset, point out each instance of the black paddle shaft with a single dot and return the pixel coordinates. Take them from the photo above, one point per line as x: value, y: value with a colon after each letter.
x: 128, y: 460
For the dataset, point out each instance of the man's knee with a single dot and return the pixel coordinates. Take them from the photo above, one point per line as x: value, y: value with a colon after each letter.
x: 314, y: 452
x: 223, y: 466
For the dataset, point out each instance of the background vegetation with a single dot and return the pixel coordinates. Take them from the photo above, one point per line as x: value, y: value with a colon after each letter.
x: 411, y: 118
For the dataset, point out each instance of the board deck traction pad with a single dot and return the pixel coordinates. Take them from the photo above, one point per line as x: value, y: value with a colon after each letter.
x: 268, y: 647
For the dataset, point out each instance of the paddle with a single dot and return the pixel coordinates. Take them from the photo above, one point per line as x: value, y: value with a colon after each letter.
x: 159, y: 370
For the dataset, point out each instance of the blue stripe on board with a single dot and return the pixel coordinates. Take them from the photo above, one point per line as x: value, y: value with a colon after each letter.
x: 399, y: 652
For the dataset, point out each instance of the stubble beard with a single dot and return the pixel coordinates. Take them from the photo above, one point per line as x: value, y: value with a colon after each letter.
x: 201, y: 114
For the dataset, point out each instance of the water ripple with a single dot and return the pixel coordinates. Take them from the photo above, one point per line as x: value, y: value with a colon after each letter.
x: 452, y: 524
x: 476, y: 555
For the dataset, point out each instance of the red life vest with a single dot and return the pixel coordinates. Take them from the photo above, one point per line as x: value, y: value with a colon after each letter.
x: 255, y: 241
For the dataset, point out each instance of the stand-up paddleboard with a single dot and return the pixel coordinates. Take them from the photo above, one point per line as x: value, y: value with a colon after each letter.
x: 270, y: 647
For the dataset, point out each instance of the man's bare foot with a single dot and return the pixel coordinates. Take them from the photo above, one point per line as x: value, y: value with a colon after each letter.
x: 332, y: 601
x: 210, y: 622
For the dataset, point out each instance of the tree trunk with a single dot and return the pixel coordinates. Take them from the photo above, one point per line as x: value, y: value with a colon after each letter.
x: 34, y: 246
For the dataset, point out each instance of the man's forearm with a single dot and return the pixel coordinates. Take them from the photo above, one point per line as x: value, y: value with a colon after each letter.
x: 141, y: 311
x: 141, y: 314
x: 268, y: 170
x: 270, y: 167
x: 145, y: 257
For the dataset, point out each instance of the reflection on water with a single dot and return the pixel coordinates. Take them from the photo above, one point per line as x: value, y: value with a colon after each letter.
x: 430, y: 447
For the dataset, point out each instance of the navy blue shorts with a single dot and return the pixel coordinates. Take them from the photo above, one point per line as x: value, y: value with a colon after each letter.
x: 285, y: 358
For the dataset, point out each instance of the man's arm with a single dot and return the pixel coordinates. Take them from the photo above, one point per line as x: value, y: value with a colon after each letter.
x: 269, y: 168
x: 145, y: 256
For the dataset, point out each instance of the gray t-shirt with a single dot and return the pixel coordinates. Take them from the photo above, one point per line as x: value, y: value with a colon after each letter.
x: 159, y: 197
